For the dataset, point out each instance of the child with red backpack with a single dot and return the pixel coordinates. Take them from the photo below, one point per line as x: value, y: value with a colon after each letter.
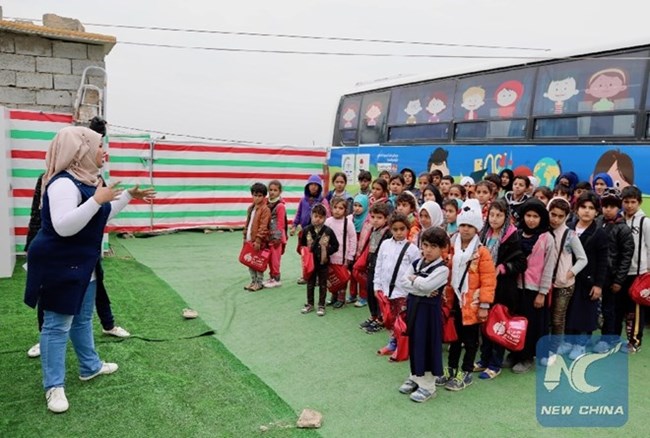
x: 278, y: 228
x: 393, y: 260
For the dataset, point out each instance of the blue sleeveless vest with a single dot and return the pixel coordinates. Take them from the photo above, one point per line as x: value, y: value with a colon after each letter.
x: 59, y: 268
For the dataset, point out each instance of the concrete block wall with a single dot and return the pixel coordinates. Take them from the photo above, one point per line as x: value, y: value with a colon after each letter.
x: 41, y: 74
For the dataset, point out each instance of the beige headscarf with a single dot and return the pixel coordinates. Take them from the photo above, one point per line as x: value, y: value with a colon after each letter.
x: 74, y: 149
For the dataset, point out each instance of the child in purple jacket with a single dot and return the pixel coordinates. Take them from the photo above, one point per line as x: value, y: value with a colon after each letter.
x: 313, y: 196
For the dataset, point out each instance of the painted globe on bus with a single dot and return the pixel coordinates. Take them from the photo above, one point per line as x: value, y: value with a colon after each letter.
x: 546, y: 171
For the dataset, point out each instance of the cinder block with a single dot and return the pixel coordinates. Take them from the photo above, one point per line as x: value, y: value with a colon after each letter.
x: 96, y: 52
x: 30, y: 107
x: 63, y: 109
x: 7, y: 42
x: 9, y: 61
x: 58, y: 22
x: 7, y: 78
x: 10, y: 95
x: 62, y: 49
x: 33, y: 45
x: 54, y: 97
x: 67, y: 82
x: 79, y: 65
x: 34, y: 80
x: 53, y: 65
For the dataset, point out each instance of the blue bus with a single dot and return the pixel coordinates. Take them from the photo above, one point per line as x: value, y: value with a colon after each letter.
x: 584, y: 112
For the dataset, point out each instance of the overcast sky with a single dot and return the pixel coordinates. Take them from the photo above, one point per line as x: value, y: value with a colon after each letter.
x: 292, y: 99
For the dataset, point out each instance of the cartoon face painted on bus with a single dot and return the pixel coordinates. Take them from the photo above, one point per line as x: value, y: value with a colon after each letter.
x: 348, y: 116
x: 372, y: 113
x: 507, y: 95
x: 618, y: 165
x: 606, y: 85
x: 436, y: 105
x: 473, y: 99
x: 412, y: 109
x: 561, y: 91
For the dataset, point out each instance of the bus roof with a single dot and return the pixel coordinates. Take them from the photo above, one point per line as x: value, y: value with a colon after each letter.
x: 553, y: 55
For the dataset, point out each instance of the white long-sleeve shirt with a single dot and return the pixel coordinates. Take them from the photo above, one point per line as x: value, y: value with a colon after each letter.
x: 423, y: 286
x: 68, y: 217
x: 635, y: 224
x: 389, y: 252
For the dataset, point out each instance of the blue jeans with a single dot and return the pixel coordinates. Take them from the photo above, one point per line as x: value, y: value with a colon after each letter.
x: 57, y: 328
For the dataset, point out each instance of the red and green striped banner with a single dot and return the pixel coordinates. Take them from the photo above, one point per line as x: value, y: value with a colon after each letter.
x: 199, y: 185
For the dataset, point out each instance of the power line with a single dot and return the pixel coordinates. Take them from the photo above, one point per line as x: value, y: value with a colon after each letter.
x: 324, y: 53
x: 307, y: 37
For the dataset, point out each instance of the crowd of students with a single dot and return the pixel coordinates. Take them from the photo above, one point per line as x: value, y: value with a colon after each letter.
x: 418, y: 249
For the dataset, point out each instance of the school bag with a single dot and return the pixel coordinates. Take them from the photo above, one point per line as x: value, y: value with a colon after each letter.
x: 504, y: 329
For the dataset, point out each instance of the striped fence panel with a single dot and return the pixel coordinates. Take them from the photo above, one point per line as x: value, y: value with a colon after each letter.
x: 30, y: 136
x: 205, y: 185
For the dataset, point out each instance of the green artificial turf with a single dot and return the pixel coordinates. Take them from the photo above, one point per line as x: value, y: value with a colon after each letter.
x: 176, y: 388
x: 328, y: 364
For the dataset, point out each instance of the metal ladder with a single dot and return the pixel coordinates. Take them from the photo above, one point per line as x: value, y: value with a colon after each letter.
x: 91, y: 99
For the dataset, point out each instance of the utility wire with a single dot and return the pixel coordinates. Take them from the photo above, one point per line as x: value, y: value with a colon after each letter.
x: 316, y: 52
x: 307, y: 37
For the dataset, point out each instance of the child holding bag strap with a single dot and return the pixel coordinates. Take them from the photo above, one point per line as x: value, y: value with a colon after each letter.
x: 425, y: 281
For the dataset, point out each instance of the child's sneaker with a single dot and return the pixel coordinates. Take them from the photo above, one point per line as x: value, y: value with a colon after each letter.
x: 489, y: 373
x: 367, y: 323
x: 301, y: 281
x: 351, y: 299
x: 461, y: 381
x: 564, y: 348
x: 361, y: 303
x: 320, y: 311
x: 308, y: 308
x: 578, y: 350
x: 601, y: 347
x: 478, y: 367
x: 422, y: 395
x: 332, y: 301
x: 375, y: 327
x: 408, y: 387
x: 271, y: 283
x: 338, y: 304
x: 630, y: 348
x: 446, y: 376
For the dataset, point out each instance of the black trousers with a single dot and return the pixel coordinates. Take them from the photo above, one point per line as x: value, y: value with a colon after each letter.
x: 373, y: 305
x: 468, y: 337
x: 319, y: 276
x: 629, y: 313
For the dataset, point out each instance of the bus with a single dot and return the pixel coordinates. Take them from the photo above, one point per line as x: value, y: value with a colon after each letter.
x: 585, y: 112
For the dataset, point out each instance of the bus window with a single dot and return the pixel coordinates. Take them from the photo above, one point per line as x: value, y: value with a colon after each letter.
x: 507, y: 129
x: 374, y: 107
x: 586, y: 126
x: 436, y: 131
x: 471, y: 131
x: 349, y: 136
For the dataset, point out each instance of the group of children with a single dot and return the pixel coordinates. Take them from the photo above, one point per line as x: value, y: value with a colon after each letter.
x: 420, y: 250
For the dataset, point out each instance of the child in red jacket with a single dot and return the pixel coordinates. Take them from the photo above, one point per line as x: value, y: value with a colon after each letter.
x: 277, y: 233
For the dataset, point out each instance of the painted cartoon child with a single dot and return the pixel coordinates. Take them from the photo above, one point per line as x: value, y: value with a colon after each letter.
x: 507, y: 95
x: 348, y: 116
x: 561, y: 91
x: 436, y: 105
x: 373, y: 113
x: 618, y: 165
x: 605, y: 85
x: 412, y: 109
x: 473, y: 99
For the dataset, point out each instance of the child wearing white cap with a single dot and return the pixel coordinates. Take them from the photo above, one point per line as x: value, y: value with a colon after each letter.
x: 469, y: 294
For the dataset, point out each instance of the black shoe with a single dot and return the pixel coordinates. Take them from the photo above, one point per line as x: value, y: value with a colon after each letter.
x: 374, y: 328
x: 367, y: 323
x: 338, y: 304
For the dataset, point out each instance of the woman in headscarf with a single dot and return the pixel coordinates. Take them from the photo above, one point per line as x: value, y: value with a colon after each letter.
x: 64, y: 255
x: 507, y: 178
